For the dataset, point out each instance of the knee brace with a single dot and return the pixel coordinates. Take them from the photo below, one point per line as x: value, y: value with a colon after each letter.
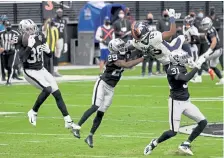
x: 47, y: 89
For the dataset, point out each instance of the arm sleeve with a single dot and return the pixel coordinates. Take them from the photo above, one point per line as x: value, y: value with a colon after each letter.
x: 186, y: 77
x: 98, y: 34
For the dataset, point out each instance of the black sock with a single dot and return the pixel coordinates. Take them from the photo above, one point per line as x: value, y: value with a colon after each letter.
x: 197, y: 131
x: 41, y: 98
x: 166, y: 135
x: 9, y: 74
x: 97, y: 121
x: 87, y: 114
x: 217, y: 72
x: 60, y: 102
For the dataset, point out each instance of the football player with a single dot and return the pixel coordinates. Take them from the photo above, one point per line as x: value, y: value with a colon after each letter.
x: 192, y: 37
x: 179, y: 102
x: 104, y: 87
x: 154, y: 41
x: 215, y: 49
x: 31, y: 45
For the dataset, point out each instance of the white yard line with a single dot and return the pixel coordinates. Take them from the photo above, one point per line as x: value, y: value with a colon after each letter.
x: 4, y: 144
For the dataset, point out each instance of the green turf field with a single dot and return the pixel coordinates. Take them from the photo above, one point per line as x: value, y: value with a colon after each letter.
x: 138, y: 114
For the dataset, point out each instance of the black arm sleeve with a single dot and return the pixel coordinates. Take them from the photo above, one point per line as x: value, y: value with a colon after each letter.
x: 24, y: 53
x: 195, y: 39
x: 49, y: 54
x: 186, y: 77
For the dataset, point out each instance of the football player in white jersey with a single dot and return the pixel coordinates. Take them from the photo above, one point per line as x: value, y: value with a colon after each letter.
x: 154, y: 41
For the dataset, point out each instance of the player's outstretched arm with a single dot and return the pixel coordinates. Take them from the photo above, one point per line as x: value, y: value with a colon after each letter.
x: 167, y: 34
x: 128, y: 64
x: 186, y: 77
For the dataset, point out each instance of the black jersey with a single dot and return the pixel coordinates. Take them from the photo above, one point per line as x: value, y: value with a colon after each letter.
x: 210, y: 34
x: 35, y: 55
x: 61, y: 25
x: 112, y: 74
x: 178, y: 88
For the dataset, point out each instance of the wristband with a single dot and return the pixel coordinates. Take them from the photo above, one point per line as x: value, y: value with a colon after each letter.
x: 172, y: 20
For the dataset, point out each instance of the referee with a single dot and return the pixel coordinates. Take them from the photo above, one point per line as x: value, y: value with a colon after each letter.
x: 52, y: 36
x: 7, y: 50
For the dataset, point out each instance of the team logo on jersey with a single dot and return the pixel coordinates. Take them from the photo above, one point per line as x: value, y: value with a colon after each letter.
x: 211, y: 130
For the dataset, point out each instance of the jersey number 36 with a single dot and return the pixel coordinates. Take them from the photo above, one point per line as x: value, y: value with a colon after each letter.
x: 36, y: 55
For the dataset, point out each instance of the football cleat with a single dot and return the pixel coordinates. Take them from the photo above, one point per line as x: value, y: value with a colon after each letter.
x: 76, y: 133
x: 89, y: 141
x: 185, y: 148
x: 197, y: 79
x: 71, y: 124
x: 148, y: 149
x: 221, y: 82
x: 211, y: 73
x: 32, y: 117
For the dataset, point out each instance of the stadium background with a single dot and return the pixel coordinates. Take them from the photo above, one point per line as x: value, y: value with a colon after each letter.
x: 139, y: 9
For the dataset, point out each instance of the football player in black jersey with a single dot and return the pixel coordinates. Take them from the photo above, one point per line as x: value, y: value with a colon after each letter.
x: 179, y: 102
x: 31, y: 46
x: 215, y: 49
x: 104, y: 87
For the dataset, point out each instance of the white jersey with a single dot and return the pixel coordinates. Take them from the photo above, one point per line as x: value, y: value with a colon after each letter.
x: 161, y: 49
x: 190, y: 32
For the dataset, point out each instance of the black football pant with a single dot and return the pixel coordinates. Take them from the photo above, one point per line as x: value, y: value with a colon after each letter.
x: 47, y: 63
x: 8, y: 61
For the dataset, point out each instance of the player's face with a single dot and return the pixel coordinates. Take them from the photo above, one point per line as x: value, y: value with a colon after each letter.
x: 60, y: 14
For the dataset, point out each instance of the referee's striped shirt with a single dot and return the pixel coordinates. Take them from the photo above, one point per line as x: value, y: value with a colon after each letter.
x: 6, y: 39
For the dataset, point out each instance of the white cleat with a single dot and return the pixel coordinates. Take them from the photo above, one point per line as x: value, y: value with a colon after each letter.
x: 197, y: 79
x: 185, y: 148
x: 148, y: 149
x: 32, y: 117
x: 221, y: 82
x: 72, y: 125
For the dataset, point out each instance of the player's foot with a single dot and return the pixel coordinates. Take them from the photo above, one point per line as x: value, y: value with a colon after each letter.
x: 197, y: 79
x: 89, y: 141
x: 76, y: 133
x: 149, y: 74
x: 185, y: 148
x: 32, y: 117
x: 211, y: 73
x: 221, y: 82
x: 56, y: 74
x: 148, y: 149
x: 143, y: 74
x: 72, y: 125
x: 8, y: 84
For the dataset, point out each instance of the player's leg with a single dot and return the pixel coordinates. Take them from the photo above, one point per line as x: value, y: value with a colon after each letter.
x: 59, y: 99
x: 8, y: 67
x: 108, y: 93
x: 150, y: 66
x: 221, y: 61
x: 3, y: 67
x: 195, y: 114
x: 57, y: 55
x: 97, y: 101
x: 214, y: 60
x: 36, y: 78
x: 175, y: 112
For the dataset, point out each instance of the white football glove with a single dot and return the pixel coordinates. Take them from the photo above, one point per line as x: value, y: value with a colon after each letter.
x: 200, y: 61
x: 191, y: 63
x: 65, y: 47
x: 46, y: 48
x: 207, y: 53
x: 171, y: 12
x: 31, y: 41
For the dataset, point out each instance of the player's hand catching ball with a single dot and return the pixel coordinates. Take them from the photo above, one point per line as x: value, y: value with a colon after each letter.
x: 31, y: 41
x: 171, y: 12
x: 46, y: 48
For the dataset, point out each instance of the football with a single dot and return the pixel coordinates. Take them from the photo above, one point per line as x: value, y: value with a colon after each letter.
x: 25, y: 38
